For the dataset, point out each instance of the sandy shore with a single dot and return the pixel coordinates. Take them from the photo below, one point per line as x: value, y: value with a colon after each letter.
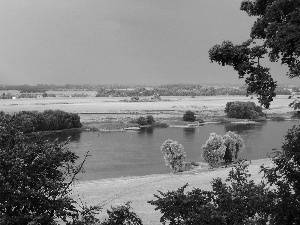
x: 112, y: 113
x: 139, y: 190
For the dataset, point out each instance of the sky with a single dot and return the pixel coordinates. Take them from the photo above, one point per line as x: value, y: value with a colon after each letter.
x: 120, y: 41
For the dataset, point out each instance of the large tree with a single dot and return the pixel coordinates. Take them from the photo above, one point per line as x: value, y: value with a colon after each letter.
x: 35, y: 177
x: 278, y: 26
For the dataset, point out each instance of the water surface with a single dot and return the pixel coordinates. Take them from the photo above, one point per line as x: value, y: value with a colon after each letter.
x: 117, y: 154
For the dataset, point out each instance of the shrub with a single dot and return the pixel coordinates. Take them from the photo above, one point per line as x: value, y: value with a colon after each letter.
x: 234, y: 144
x: 150, y: 120
x: 122, y: 215
x: 142, y: 121
x: 214, y: 149
x: 189, y: 116
x: 174, y: 155
x: 243, y: 110
x: 219, y: 148
x: 239, y: 202
x: 285, y: 179
x: 35, y: 177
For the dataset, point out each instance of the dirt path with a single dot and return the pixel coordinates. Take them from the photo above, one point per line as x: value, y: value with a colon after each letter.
x: 139, y: 190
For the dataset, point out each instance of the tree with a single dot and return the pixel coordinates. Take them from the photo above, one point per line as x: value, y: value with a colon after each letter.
x: 278, y: 26
x: 174, y: 154
x: 189, y: 116
x: 214, y: 149
x: 35, y: 177
x: 122, y: 215
x: 234, y: 144
x: 243, y: 110
x: 150, y: 120
x: 218, y: 148
x: 285, y: 177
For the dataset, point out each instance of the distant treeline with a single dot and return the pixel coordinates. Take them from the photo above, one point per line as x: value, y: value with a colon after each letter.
x: 49, y: 120
x: 179, y: 90
x: 130, y: 91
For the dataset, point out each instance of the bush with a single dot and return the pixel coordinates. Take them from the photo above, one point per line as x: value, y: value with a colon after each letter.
x: 219, y: 148
x: 243, y: 110
x: 174, y: 155
x: 122, y: 215
x: 214, y: 149
x: 189, y: 116
x: 142, y: 121
x: 150, y: 120
x: 234, y: 144
x: 239, y: 202
x: 35, y: 177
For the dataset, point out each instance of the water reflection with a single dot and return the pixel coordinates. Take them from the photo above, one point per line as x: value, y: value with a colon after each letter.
x: 146, y: 130
x: 189, y: 133
x: 243, y: 128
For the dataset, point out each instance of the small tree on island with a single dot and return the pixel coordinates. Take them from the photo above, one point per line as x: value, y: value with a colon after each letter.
x: 218, y: 148
x: 174, y: 155
x: 189, y: 116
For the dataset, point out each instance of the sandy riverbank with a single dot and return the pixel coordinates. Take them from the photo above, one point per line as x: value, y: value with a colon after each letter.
x: 139, y: 190
x: 112, y: 113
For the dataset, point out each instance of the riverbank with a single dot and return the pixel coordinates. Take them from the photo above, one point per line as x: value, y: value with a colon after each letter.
x: 139, y: 190
x: 115, y: 114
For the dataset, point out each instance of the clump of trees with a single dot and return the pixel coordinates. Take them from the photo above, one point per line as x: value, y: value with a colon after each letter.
x: 243, y: 110
x: 148, y: 120
x: 218, y: 148
x: 189, y: 116
x: 174, y: 155
x: 48, y: 120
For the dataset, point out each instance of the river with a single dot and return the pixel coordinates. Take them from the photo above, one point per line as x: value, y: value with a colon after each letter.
x: 119, y: 154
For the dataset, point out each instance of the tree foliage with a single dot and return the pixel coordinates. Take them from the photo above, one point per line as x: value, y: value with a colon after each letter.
x: 239, y: 202
x: 218, y: 148
x: 174, y: 154
x: 122, y: 215
x: 278, y: 26
x: 243, y: 110
x: 214, y: 149
x: 189, y: 116
x: 35, y: 177
x: 48, y: 120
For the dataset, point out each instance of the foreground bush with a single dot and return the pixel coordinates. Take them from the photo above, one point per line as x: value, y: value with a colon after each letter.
x: 243, y: 110
x: 35, y: 177
x: 174, y: 155
x: 122, y: 215
x: 239, y: 202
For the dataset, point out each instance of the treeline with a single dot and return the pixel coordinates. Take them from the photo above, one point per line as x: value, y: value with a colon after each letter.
x: 48, y: 120
x: 179, y: 90
x: 171, y: 91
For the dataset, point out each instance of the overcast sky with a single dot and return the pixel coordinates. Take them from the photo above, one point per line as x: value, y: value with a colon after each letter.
x: 119, y: 41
